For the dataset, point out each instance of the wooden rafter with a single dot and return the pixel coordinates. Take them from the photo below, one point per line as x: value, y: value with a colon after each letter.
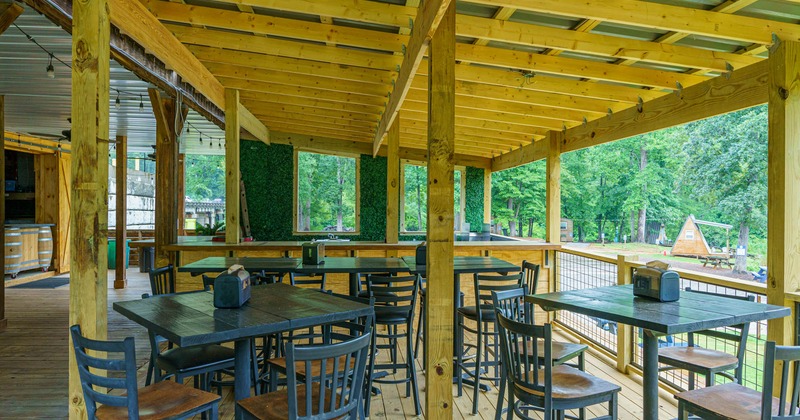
x: 8, y: 14
x: 136, y: 21
x: 428, y: 18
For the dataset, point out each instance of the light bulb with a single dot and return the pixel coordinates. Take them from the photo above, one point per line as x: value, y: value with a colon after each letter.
x: 117, y: 104
x: 51, y: 72
x: 141, y: 103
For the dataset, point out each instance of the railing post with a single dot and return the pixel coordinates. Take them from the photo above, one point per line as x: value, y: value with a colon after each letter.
x: 624, y: 332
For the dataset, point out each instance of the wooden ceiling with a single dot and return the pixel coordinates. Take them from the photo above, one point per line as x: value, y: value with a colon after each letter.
x: 524, y: 67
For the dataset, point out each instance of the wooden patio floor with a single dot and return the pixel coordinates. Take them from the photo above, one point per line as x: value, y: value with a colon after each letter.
x: 33, y: 362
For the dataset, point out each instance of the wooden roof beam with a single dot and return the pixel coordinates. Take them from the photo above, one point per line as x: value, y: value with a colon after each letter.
x: 132, y: 18
x: 745, y: 88
x: 428, y: 18
x: 661, y: 16
x: 9, y: 12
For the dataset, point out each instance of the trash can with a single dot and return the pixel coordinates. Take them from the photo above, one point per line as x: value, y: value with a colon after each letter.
x: 146, y: 260
x: 112, y: 253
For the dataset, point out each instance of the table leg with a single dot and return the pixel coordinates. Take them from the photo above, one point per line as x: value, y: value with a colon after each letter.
x: 241, y: 384
x: 650, y: 375
x: 354, y: 284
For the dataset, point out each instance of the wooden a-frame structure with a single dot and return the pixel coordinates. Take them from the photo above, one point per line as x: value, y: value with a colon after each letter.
x: 691, y: 242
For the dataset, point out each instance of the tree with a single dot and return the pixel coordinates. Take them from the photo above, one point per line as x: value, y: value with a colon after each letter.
x: 518, y: 192
x: 205, y: 177
x: 727, y: 169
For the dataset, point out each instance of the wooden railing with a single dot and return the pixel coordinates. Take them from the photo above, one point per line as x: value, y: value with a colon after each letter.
x: 582, y: 269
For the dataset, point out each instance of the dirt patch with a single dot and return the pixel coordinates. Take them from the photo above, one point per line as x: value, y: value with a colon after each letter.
x: 725, y: 272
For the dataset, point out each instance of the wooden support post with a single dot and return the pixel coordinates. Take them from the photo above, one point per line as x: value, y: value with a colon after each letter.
x: 783, y: 201
x: 487, y: 195
x: 3, y: 319
x: 166, y: 228
x: 89, y: 218
x: 553, y: 205
x: 393, y: 183
x: 624, y: 332
x: 120, y: 279
x: 232, y: 176
x: 181, y: 194
x: 441, y: 138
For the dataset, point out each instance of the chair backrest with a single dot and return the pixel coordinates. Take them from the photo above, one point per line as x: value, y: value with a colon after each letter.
x: 519, y: 349
x: 162, y: 280
x: 485, y: 284
x: 530, y: 275
x: 208, y: 282
x: 511, y: 303
x: 395, y: 295
x: 790, y: 357
x: 98, y: 386
x: 341, y: 381
x: 739, y: 337
x: 313, y: 280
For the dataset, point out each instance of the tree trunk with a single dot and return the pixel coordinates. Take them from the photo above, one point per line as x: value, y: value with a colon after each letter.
x: 307, y: 214
x: 744, y: 238
x: 641, y: 232
x: 339, y: 198
x: 632, y: 232
x: 419, y: 203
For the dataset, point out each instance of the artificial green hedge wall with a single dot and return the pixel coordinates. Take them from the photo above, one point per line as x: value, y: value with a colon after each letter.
x: 474, y: 198
x: 267, y: 173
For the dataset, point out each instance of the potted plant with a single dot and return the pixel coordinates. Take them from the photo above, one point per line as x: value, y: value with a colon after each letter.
x: 216, y: 229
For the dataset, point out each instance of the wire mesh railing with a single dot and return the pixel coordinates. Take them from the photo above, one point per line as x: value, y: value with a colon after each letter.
x: 573, y: 272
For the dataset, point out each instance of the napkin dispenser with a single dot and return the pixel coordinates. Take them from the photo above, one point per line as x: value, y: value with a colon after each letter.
x: 313, y: 253
x: 232, y: 288
x: 656, y: 283
x: 422, y: 251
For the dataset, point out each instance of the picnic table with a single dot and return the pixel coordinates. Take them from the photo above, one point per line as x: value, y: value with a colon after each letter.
x: 717, y: 261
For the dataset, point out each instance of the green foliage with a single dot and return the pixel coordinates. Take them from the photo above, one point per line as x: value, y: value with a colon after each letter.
x: 210, y: 229
x: 373, y: 198
x: 415, y: 181
x: 474, y: 198
x: 518, y: 195
x: 326, y: 193
x: 205, y: 177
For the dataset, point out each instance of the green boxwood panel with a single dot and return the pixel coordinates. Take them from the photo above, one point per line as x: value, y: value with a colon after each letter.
x: 474, y: 198
x: 267, y: 172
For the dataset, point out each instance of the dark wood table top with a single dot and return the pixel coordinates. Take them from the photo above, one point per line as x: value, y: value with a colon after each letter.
x: 692, y: 312
x: 355, y: 265
x: 466, y: 265
x: 191, y: 318
x: 251, y: 264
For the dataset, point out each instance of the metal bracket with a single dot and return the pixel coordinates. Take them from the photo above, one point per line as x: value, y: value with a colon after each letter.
x: 584, y: 121
x: 679, y: 89
x: 563, y: 128
x: 410, y: 23
x: 640, y: 105
x: 775, y: 43
x: 397, y: 68
x: 728, y: 71
x: 609, y: 114
x: 403, y: 48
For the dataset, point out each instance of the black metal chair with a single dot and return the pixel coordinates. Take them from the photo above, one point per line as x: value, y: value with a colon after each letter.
x: 734, y: 401
x: 706, y: 361
x: 164, y: 400
x: 196, y: 362
x: 511, y: 303
x: 530, y: 276
x: 335, y: 393
x: 312, y: 280
x: 395, y: 300
x: 422, y: 323
x: 483, y: 315
x: 552, y: 388
x: 162, y: 280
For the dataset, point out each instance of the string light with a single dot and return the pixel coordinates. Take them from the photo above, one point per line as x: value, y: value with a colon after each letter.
x: 141, y: 103
x: 51, y: 72
x: 117, y: 104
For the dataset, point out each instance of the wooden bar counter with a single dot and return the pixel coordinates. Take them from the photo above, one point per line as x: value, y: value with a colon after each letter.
x: 193, y: 248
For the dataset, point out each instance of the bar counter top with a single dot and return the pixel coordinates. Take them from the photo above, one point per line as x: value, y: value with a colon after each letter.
x: 201, y: 243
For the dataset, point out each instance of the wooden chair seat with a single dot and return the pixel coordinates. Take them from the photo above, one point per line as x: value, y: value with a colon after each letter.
x: 560, y: 351
x: 163, y: 400
x: 275, y: 405
x: 300, y: 367
x: 696, y: 356
x: 573, y: 384
x: 730, y: 401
